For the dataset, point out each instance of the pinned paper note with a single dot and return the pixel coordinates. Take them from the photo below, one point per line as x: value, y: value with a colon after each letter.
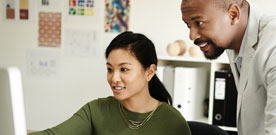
x: 43, y: 63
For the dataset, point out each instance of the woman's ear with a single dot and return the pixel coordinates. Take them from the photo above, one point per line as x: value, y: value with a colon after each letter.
x: 150, y: 72
x: 234, y: 13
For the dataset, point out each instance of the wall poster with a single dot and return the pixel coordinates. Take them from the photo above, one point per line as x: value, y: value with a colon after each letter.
x: 10, y: 9
x: 49, y: 29
x: 16, y: 9
x: 81, y: 7
x: 81, y: 43
x: 117, y: 15
x: 49, y: 5
x: 24, y: 9
x: 43, y: 63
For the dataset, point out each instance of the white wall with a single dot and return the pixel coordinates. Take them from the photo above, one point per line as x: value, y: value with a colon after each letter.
x: 160, y: 20
x: 49, y: 101
x: 268, y: 4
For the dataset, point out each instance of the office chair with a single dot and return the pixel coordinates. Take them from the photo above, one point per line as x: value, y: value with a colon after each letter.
x: 199, y: 128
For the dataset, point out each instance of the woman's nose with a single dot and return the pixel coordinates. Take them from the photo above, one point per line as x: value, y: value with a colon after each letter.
x: 116, y: 77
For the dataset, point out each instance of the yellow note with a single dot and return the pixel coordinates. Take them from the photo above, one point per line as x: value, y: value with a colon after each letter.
x: 24, y: 4
x: 89, y: 11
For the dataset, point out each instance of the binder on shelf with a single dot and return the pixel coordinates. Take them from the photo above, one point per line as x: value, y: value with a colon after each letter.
x: 189, y: 91
x: 159, y: 72
x: 225, y: 99
x: 168, y: 79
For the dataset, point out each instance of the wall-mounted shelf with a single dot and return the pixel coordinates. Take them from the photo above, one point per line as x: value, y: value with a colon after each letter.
x: 211, y: 66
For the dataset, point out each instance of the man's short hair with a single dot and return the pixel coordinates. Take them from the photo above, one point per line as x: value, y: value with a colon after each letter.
x: 224, y: 4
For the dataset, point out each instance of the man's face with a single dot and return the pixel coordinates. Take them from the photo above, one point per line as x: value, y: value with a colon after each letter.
x: 210, y: 26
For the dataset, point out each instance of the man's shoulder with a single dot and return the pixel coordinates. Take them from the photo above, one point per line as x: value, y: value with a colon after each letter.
x: 267, y: 22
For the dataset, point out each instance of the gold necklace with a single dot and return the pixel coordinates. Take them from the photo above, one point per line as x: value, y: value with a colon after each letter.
x: 132, y: 124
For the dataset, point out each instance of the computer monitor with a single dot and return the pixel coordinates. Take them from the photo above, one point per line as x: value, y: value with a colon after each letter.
x: 12, y: 114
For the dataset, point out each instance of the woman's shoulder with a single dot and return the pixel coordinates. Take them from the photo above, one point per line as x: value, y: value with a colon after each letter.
x: 104, y: 99
x: 173, y: 119
x: 99, y: 105
x: 169, y: 110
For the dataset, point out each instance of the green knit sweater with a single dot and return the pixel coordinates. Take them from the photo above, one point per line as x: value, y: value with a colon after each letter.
x: 103, y: 117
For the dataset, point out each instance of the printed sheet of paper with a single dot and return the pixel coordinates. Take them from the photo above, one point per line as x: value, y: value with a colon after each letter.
x: 83, y: 43
x: 43, y: 63
x: 24, y: 9
x: 10, y: 9
x: 83, y: 11
x: 18, y: 10
x: 81, y: 7
x: 49, y: 29
x: 49, y: 5
x: 116, y: 15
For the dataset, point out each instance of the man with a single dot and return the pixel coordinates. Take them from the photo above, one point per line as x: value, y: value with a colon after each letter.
x: 249, y: 35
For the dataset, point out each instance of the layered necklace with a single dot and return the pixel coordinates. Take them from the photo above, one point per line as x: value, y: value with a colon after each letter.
x: 132, y: 124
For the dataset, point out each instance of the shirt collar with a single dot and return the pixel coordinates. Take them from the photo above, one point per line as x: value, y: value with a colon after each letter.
x: 241, y: 52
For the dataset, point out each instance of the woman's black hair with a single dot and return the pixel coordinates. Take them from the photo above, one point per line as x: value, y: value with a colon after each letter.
x: 143, y: 49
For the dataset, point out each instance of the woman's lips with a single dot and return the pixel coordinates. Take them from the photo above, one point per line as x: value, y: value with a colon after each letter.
x: 118, y: 88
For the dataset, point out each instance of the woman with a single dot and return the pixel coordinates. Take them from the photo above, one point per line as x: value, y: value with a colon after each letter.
x: 140, y: 106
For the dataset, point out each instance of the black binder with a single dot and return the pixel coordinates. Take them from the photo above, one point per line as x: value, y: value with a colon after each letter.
x: 225, y: 99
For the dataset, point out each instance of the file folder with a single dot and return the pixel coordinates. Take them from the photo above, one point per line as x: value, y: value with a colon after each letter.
x: 168, y: 79
x: 189, y: 91
x: 225, y: 99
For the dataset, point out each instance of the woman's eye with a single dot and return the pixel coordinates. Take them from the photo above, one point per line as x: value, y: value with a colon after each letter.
x: 124, y: 69
x: 109, y: 70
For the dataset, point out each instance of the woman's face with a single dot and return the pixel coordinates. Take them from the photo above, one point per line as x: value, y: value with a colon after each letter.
x: 125, y: 75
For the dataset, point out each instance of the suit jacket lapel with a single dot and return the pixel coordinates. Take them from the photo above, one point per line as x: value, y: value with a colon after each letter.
x: 250, y: 43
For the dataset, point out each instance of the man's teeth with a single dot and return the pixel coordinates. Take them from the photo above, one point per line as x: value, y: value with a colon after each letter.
x: 203, y: 45
x: 118, y: 88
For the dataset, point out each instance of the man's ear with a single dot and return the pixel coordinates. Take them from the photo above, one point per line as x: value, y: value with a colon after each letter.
x: 234, y: 13
x: 150, y: 72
